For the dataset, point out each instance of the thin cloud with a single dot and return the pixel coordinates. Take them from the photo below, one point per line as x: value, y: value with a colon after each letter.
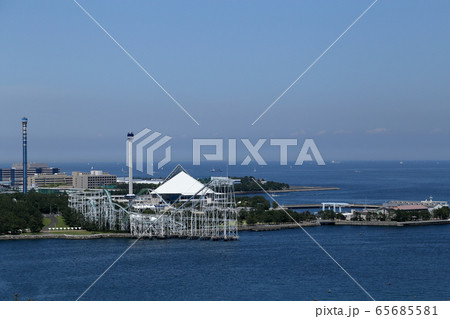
x: 377, y: 130
x: 338, y: 132
x: 298, y: 133
x: 322, y: 132
x: 436, y: 131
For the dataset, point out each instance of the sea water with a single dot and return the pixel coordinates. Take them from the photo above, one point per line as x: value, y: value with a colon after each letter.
x: 390, y: 263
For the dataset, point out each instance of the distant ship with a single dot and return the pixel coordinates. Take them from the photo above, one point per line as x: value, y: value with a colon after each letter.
x: 274, y: 195
x: 215, y: 170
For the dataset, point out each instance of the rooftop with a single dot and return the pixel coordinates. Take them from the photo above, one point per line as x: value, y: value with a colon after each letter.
x: 412, y: 207
x: 182, y: 184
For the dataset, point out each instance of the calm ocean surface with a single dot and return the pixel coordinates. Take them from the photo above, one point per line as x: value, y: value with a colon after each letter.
x: 408, y: 263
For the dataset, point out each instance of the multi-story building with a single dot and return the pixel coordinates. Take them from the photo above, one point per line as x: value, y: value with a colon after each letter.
x: 14, y: 175
x: 40, y: 180
x: 92, y: 179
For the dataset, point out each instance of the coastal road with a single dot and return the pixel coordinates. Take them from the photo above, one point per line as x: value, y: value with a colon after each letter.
x: 53, y: 222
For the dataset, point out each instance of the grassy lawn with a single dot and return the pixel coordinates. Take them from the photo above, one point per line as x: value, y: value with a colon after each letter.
x: 61, y: 222
x: 67, y: 232
x: 46, y: 221
x: 74, y: 232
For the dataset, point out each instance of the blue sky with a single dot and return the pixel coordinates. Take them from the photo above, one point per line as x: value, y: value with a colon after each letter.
x: 380, y: 93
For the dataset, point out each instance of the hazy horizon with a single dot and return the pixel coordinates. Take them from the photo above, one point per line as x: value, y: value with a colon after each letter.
x: 380, y: 93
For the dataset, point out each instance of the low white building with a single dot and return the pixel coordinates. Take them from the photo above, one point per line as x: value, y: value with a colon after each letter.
x: 181, y: 187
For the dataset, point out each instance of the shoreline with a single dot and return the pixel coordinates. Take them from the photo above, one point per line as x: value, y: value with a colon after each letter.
x: 66, y: 236
x: 274, y: 227
x: 391, y: 223
x: 254, y: 228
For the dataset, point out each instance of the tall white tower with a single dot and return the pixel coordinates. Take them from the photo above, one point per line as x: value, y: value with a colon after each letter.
x: 25, y: 160
x: 130, y: 194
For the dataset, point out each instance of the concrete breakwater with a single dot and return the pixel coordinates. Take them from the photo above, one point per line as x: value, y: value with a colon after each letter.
x: 106, y: 235
x: 386, y: 223
x: 127, y: 235
x: 267, y: 227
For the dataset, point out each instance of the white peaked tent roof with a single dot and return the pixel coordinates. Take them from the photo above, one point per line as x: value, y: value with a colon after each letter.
x: 183, y: 184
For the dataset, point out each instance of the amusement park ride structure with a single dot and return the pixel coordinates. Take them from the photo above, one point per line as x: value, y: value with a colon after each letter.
x: 181, y: 207
x: 210, y: 213
x: 205, y: 215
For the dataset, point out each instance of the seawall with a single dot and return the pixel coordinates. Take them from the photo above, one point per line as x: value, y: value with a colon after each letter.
x: 262, y: 227
x: 64, y: 236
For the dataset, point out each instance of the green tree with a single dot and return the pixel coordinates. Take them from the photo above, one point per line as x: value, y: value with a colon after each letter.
x: 326, y: 214
x: 442, y: 213
x: 251, y: 219
x: 248, y: 184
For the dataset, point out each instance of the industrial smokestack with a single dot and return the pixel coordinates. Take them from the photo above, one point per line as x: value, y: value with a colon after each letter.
x: 130, y: 137
x: 25, y: 162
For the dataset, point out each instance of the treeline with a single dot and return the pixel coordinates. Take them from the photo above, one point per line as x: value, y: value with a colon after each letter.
x: 248, y: 184
x: 19, y: 212
x: 253, y: 201
x: 257, y: 211
x: 442, y: 213
x: 72, y: 218
x: 330, y: 215
x: 274, y: 216
x: 404, y: 216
